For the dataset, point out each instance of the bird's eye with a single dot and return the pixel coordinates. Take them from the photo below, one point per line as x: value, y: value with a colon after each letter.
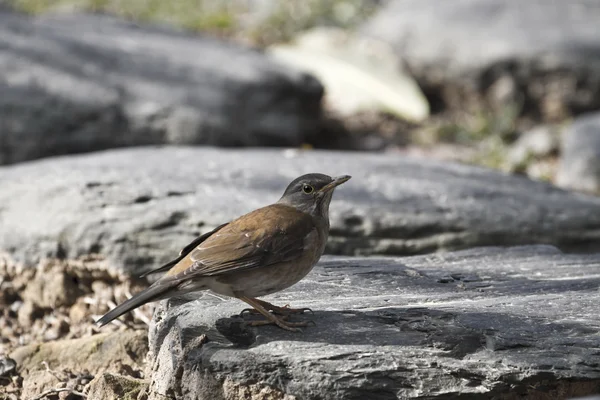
x: 308, y: 189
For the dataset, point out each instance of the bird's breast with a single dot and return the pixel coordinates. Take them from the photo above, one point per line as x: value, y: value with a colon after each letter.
x: 268, y: 279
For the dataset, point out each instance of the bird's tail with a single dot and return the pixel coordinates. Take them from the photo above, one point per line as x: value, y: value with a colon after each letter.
x: 159, y: 290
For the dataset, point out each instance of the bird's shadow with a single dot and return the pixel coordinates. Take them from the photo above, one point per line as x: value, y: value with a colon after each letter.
x: 333, y: 327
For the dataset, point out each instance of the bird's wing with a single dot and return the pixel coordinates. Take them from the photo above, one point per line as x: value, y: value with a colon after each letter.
x: 184, y: 252
x: 267, y: 236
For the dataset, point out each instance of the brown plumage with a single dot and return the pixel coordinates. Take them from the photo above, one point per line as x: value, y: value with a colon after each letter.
x: 262, y: 252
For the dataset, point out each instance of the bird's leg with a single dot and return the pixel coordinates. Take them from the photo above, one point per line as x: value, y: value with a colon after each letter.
x: 272, y: 318
x: 285, y: 310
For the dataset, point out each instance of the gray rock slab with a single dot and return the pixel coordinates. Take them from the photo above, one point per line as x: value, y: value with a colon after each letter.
x: 74, y: 83
x: 579, y: 166
x: 543, y: 53
x: 140, y: 206
x: 476, y: 324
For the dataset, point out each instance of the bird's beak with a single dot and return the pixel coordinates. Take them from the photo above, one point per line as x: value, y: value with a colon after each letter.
x: 337, y: 181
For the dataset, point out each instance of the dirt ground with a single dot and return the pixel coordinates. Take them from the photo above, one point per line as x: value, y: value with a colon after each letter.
x: 53, y: 302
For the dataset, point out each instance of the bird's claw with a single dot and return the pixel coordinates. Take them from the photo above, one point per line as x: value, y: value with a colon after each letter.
x: 283, y: 323
x: 303, y: 310
x: 285, y: 310
x: 249, y: 311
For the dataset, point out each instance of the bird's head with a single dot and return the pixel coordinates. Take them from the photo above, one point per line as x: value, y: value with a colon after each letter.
x: 311, y: 193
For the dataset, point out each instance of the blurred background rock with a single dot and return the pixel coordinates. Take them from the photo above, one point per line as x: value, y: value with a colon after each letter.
x: 489, y: 82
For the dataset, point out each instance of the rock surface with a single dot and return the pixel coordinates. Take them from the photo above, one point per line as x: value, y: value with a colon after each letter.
x: 139, y: 207
x: 579, y: 167
x: 77, y: 82
x: 482, y: 323
x: 544, y: 55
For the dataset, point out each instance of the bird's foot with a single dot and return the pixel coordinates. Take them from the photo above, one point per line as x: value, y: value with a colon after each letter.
x: 285, y: 310
x: 271, y: 317
x: 283, y: 323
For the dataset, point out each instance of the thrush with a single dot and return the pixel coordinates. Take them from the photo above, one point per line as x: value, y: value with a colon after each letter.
x: 262, y: 252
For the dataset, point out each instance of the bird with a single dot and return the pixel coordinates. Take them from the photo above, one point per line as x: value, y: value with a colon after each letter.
x: 257, y: 254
